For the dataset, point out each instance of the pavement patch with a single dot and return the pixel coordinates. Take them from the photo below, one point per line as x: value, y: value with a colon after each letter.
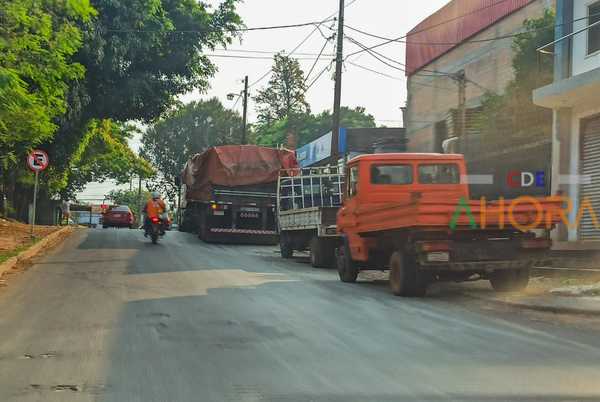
x: 165, y: 285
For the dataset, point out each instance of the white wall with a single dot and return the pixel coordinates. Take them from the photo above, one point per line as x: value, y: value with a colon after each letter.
x: 581, y: 61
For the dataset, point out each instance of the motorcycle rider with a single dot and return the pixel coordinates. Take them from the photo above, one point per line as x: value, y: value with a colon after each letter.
x: 154, y: 208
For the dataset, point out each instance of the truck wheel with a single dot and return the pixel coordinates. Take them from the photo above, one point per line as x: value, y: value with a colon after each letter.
x: 405, y: 280
x: 510, y: 280
x: 322, y: 253
x: 203, y: 230
x: 347, y: 268
x: 285, y: 247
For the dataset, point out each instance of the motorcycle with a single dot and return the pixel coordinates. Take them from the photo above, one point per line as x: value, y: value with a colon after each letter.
x: 156, y: 230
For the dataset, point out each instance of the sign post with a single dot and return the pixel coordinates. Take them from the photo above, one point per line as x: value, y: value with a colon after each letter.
x: 37, y: 161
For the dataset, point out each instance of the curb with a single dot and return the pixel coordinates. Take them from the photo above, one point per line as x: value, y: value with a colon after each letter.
x: 538, y: 307
x: 26, y: 255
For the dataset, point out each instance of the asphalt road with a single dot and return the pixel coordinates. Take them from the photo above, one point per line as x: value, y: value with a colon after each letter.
x: 109, y: 317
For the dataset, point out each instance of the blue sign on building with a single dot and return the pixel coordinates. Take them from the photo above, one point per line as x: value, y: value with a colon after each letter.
x: 320, y: 149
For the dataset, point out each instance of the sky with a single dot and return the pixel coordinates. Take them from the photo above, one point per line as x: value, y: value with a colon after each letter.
x: 382, y: 96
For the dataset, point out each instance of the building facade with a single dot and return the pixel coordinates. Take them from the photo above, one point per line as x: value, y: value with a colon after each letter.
x: 457, y: 39
x: 575, y: 101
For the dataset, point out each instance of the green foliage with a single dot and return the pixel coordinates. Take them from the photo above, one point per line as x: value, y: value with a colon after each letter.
x: 72, y: 74
x: 141, y: 54
x: 102, y: 154
x: 129, y: 198
x: 185, y: 131
x: 310, y: 127
x: 37, y: 40
x: 512, y: 116
x: 283, y: 98
x: 139, y: 57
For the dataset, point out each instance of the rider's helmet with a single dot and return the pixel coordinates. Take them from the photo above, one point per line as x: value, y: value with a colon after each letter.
x: 155, y: 195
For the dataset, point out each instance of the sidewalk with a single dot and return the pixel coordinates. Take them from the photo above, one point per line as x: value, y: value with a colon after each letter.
x: 557, y: 295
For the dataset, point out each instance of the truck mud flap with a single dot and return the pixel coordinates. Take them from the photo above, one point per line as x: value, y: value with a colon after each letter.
x: 241, y: 236
x: 482, y: 266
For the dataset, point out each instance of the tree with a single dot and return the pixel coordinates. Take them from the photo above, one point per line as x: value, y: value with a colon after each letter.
x: 103, y: 154
x: 137, y: 58
x: 310, y: 127
x: 321, y: 123
x: 185, y: 131
x: 283, y: 98
x: 37, y: 40
x: 512, y: 116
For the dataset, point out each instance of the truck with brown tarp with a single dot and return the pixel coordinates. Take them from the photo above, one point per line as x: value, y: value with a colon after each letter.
x: 229, y: 193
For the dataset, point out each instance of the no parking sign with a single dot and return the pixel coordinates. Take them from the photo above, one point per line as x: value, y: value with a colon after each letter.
x: 37, y: 161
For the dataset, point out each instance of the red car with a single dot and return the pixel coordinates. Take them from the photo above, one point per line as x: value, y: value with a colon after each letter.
x: 118, y: 217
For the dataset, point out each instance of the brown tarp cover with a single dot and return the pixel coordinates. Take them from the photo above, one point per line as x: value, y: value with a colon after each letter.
x: 234, y: 165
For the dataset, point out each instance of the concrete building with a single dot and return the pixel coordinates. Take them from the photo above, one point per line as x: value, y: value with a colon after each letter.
x: 455, y: 39
x: 574, y: 98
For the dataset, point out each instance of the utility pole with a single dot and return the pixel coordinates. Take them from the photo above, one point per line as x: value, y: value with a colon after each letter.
x: 245, y: 117
x: 337, y: 100
x: 461, y: 80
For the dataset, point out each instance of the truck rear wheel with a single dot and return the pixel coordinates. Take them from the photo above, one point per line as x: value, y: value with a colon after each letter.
x: 510, y: 280
x: 285, y: 247
x: 322, y: 253
x: 405, y: 280
x: 347, y: 268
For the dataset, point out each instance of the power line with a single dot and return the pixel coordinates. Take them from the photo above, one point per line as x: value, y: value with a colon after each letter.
x: 233, y: 56
x: 496, y: 38
x: 398, y: 78
x: 316, y: 61
x: 375, y: 71
x: 380, y: 57
x: 265, y: 28
x: 327, y: 19
x: 428, y: 28
x: 372, y: 53
x: 237, y: 101
x: 318, y: 76
x: 272, y: 52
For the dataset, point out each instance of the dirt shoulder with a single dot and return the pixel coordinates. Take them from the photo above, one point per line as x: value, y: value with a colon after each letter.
x: 15, y: 237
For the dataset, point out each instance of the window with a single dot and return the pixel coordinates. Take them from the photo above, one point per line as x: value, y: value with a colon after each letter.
x: 593, y: 32
x: 391, y: 174
x: 439, y: 174
x: 121, y: 208
x: 353, y: 182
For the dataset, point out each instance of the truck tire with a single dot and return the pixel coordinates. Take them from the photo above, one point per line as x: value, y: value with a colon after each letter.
x: 405, y: 280
x: 510, y: 280
x: 322, y: 253
x: 203, y: 229
x: 346, y: 267
x: 285, y: 247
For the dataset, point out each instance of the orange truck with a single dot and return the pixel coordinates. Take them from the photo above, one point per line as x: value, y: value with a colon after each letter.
x: 411, y: 214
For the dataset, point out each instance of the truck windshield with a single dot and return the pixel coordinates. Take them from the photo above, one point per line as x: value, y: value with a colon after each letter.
x: 439, y: 174
x: 391, y: 174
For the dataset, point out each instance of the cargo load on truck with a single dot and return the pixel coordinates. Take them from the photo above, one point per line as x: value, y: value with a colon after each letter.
x: 230, y: 193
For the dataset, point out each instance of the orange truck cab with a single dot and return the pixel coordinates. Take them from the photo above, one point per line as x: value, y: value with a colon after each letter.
x: 412, y: 214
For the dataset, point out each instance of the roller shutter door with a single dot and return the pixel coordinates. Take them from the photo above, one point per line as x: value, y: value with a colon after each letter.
x: 590, y: 166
